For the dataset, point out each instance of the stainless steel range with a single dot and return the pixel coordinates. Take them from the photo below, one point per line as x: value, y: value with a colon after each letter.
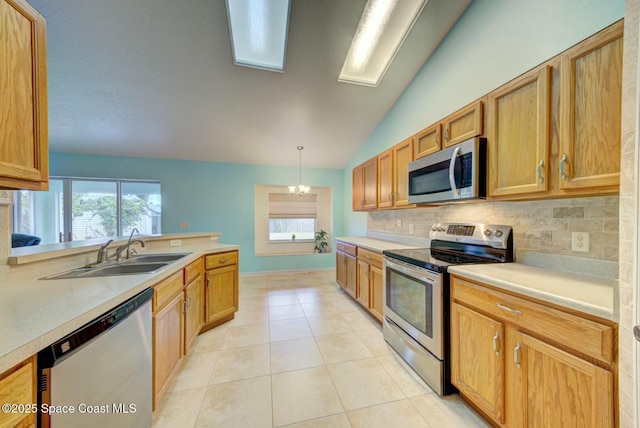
x: 416, y: 293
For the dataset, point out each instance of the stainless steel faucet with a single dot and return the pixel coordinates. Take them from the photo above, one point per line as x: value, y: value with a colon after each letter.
x: 103, y: 252
x: 127, y: 246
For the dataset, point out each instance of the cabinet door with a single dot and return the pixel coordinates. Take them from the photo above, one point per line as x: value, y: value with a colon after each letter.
x: 375, y: 297
x: 385, y: 179
x: 23, y: 111
x: 194, y: 306
x: 351, y: 275
x: 168, y: 345
x: 18, y: 386
x: 341, y: 268
x: 402, y: 155
x: 370, y: 174
x: 561, y: 390
x: 464, y: 124
x: 477, y: 362
x: 221, y: 292
x: 358, y: 188
x: 427, y: 141
x: 362, y: 294
x: 518, y: 132
x: 590, y: 111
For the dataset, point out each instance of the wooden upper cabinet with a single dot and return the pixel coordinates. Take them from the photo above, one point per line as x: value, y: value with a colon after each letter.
x: 402, y: 156
x: 365, y: 186
x: 385, y: 179
x: 464, y: 124
x: 518, y: 117
x: 357, y: 188
x: 427, y: 141
x: 590, y: 111
x: 370, y: 186
x: 23, y: 110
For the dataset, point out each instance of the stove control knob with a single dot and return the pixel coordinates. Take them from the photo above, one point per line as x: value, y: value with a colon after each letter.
x: 498, y: 233
x: 487, y: 232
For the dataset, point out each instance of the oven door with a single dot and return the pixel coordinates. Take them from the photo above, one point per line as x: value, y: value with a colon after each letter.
x: 413, y: 301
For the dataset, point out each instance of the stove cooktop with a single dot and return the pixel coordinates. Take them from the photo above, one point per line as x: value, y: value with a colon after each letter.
x: 456, y: 244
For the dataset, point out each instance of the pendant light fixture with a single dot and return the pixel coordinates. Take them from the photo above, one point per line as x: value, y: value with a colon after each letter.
x: 300, y: 189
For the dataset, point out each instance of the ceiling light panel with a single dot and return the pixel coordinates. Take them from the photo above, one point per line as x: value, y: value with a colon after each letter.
x: 382, y: 28
x: 259, y: 32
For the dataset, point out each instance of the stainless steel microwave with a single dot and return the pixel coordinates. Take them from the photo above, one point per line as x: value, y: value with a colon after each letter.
x: 454, y: 174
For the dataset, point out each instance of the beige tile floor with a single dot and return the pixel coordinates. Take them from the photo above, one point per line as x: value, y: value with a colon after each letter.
x: 301, y: 353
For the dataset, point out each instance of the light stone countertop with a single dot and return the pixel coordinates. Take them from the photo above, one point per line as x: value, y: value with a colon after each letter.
x: 587, y: 294
x: 582, y: 293
x: 373, y: 244
x: 35, y: 313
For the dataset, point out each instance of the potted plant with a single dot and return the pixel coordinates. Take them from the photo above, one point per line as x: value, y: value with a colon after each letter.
x: 293, y: 237
x: 322, y: 246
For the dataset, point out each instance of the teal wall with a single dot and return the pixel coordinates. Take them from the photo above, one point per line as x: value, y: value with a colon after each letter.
x: 213, y: 197
x: 493, y: 42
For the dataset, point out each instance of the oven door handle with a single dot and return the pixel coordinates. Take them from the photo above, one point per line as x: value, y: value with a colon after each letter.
x: 452, y: 167
x: 413, y: 271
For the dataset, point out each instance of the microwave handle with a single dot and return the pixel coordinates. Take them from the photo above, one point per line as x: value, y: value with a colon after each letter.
x: 452, y: 166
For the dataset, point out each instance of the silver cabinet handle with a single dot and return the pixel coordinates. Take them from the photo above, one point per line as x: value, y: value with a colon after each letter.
x: 563, y: 161
x: 516, y: 354
x: 208, y: 282
x: 636, y: 332
x: 452, y: 178
x: 437, y: 138
x: 495, y: 343
x: 185, y: 305
x: 539, y: 171
x: 504, y: 308
x: 223, y: 260
x: 446, y: 135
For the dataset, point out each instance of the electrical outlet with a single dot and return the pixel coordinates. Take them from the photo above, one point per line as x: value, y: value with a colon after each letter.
x: 580, y: 242
x: 411, y: 228
x: 175, y: 243
x: 183, y: 225
x: 399, y: 222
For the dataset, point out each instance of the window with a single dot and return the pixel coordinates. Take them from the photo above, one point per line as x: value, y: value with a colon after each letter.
x: 77, y: 209
x: 280, y: 215
x: 292, y: 217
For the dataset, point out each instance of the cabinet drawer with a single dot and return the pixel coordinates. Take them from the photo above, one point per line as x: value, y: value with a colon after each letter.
x: 16, y: 388
x: 221, y: 259
x: 371, y: 257
x: 192, y: 271
x: 346, y: 248
x: 565, y: 330
x: 165, y: 290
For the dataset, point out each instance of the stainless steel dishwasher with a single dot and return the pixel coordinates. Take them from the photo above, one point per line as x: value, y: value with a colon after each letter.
x: 100, y: 375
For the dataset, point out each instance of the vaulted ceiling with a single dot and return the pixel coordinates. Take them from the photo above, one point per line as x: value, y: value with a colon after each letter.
x: 155, y: 78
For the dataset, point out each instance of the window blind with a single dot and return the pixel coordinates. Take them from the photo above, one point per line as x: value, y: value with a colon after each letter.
x: 285, y: 205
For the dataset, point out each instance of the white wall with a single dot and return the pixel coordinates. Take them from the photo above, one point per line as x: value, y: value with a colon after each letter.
x: 493, y: 42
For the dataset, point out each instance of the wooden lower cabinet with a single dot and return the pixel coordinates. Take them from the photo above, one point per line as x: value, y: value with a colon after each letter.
x: 346, y: 268
x: 18, y: 387
x: 221, y: 283
x: 168, y: 345
x: 193, y: 311
x: 517, y: 374
x: 369, y: 281
x: 477, y: 363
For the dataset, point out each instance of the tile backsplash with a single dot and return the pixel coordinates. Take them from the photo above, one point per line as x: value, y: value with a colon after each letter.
x: 543, y: 226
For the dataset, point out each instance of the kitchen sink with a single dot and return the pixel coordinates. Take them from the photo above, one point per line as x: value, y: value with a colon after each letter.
x: 137, y: 264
